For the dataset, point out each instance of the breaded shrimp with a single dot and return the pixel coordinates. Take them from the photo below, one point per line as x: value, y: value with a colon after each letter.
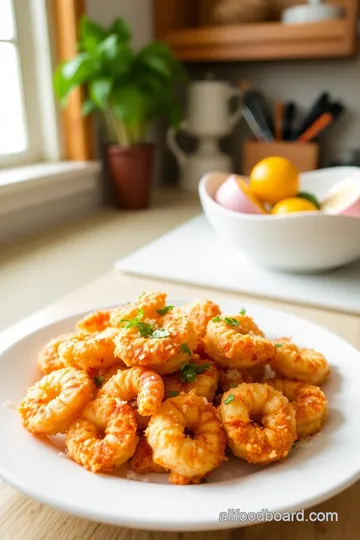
x: 149, y: 303
x: 200, y: 313
x: 189, y: 457
x: 102, y: 375
x: 162, y: 343
x: 259, y: 422
x: 298, y: 363
x: 49, y: 359
x: 136, y: 382
x: 90, y: 351
x: 199, y: 375
x: 142, y: 461
x: 309, y: 403
x: 104, y: 436
x: 94, y: 322
x: 230, y: 378
x: 236, y: 342
x: 52, y: 404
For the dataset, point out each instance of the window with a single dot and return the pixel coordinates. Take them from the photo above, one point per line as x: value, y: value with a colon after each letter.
x: 28, y: 118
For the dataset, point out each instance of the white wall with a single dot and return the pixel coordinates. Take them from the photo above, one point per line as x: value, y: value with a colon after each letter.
x: 138, y: 13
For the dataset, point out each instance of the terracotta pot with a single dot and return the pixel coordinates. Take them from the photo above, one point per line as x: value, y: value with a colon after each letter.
x: 131, y: 171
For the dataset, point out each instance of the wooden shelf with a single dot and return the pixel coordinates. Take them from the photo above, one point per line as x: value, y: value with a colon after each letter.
x: 265, y: 41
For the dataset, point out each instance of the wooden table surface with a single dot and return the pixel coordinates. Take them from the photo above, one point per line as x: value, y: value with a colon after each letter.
x: 24, y: 519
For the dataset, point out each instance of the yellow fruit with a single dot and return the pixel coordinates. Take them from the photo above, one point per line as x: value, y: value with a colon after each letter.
x: 295, y: 204
x: 274, y: 179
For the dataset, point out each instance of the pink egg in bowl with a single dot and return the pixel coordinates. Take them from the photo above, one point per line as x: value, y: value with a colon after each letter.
x: 235, y: 194
x: 344, y: 198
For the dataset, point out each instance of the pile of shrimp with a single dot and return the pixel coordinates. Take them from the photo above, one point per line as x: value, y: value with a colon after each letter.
x: 174, y: 390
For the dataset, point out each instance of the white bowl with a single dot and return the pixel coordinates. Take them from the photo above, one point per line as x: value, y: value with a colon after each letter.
x: 311, y: 13
x: 299, y: 242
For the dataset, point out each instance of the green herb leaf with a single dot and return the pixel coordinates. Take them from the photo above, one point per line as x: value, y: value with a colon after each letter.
x: 309, y: 197
x: 229, y: 399
x: 278, y: 345
x: 140, y: 313
x: 185, y: 349
x: 141, y: 295
x: 190, y: 371
x: 242, y: 311
x: 98, y: 380
x: 231, y: 321
x: 232, y: 385
x: 173, y: 393
x: 216, y: 319
x: 165, y: 310
x: 160, y: 333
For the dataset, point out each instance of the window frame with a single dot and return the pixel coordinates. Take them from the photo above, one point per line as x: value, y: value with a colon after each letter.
x: 35, y: 50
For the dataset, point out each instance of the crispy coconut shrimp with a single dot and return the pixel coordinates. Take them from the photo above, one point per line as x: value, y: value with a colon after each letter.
x: 104, y: 436
x: 148, y: 303
x: 136, y: 382
x: 49, y: 359
x: 52, y: 404
x: 199, y: 375
x: 186, y: 438
x: 231, y: 378
x: 162, y: 343
x: 96, y: 321
x: 259, y: 422
x: 298, y: 363
x: 309, y: 403
x: 142, y: 461
x: 90, y: 351
x: 236, y: 342
x: 200, y: 313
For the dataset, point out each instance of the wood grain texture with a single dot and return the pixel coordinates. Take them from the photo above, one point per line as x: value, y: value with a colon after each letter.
x: 24, y: 519
x: 77, y: 130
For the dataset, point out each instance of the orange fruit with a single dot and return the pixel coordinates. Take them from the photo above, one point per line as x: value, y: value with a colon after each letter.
x: 294, y: 204
x: 273, y: 179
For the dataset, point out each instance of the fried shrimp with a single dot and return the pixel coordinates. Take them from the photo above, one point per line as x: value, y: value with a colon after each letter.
x: 298, y: 363
x: 148, y: 303
x: 162, y: 343
x: 199, y: 375
x: 236, y: 342
x: 104, y: 436
x: 230, y: 378
x: 309, y: 403
x: 90, y: 351
x: 96, y: 321
x: 200, y: 313
x: 52, y: 404
x: 142, y: 461
x: 186, y: 438
x: 259, y: 422
x: 136, y: 382
x: 49, y: 359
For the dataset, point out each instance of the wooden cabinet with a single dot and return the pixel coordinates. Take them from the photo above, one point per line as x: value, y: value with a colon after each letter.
x: 186, y: 25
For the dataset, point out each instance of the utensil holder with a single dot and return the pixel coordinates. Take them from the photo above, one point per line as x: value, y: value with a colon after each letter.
x: 304, y: 156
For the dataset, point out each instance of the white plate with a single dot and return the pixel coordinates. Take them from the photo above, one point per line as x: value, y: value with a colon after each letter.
x: 312, y: 473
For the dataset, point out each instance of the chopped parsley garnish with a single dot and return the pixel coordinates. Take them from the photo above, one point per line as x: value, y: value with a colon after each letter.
x: 242, y: 311
x: 229, y: 399
x: 141, y: 295
x: 190, y: 371
x: 231, y: 321
x: 160, y: 333
x: 278, y: 345
x: 145, y: 329
x: 232, y: 385
x: 173, y: 393
x: 98, y: 380
x: 165, y: 310
x: 185, y: 349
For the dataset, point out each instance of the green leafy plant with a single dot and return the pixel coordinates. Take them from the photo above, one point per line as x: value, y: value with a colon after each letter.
x: 130, y: 89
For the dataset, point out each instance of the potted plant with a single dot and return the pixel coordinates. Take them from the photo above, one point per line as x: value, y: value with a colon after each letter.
x: 130, y: 89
